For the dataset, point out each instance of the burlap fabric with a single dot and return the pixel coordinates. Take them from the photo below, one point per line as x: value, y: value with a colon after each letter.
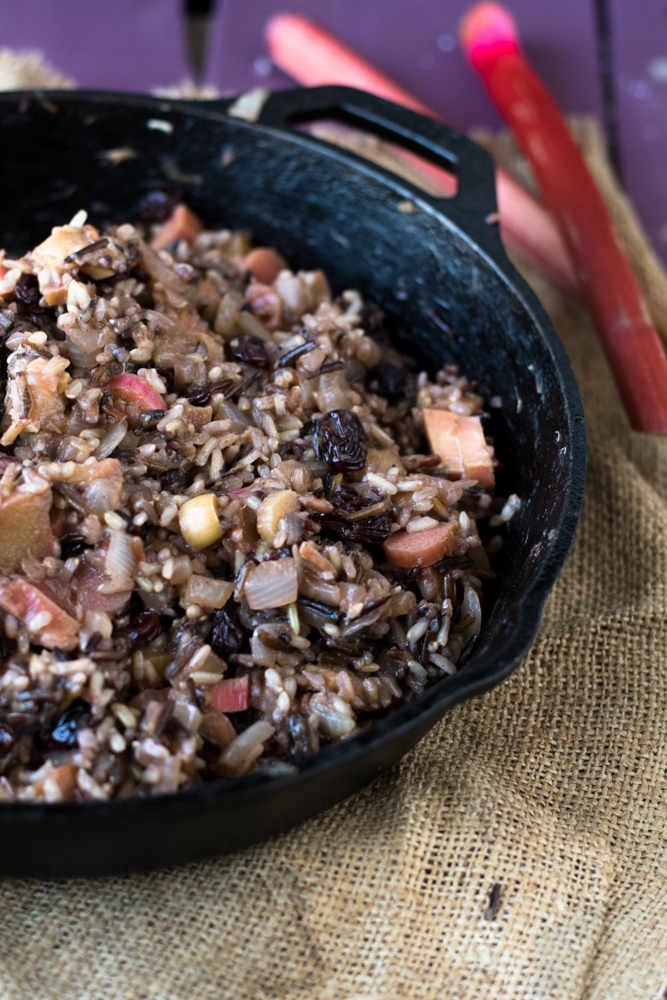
x: 553, y: 785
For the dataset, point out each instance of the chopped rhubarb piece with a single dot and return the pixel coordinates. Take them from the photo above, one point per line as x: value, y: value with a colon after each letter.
x: 25, y: 529
x: 87, y: 581
x: 264, y: 264
x: 132, y: 389
x: 217, y: 726
x: 52, y: 626
x: 231, y: 695
x: 460, y: 443
x: 422, y: 548
x: 65, y: 778
x: 182, y: 224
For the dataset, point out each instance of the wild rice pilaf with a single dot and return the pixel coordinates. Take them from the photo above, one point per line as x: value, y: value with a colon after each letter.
x: 224, y: 539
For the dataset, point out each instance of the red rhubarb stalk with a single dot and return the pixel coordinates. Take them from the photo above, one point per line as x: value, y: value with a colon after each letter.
x: 314, y: 57
x: 636, y: 356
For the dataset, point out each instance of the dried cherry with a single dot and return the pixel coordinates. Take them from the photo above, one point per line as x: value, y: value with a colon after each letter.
x: 340, y: 441
x: 369, y: 530
x: 227, y: 636
x: 157, y: 206
x: 249, y: 350
x: 142, y: 629
x: 77, y: 716
x: 26, y: 291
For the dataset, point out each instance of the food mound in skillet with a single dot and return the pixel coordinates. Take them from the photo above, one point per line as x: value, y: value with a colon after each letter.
x: 235, y: 527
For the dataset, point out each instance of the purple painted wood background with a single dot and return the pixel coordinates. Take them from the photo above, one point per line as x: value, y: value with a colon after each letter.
x: 639, y: 39
x: 141, y: 44
x: 121, y: 45
x: 414, y: 41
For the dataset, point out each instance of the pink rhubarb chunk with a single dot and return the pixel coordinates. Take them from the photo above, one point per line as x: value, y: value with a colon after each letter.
x: 460, y: 443
x: 182, y: 224
x: 232, y: 695
x: 132, y: 389
x: 422, y: 548
x: 26, y: 602
x: 264, y: 264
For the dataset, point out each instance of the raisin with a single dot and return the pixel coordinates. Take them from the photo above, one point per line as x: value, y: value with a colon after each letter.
x: 387, y: 379
x: 227, y: 636
x: 157, y: 206
x: 175, y: 480
x: 283, y: 552
x: 249, y: 350
x: 77, y: 716
x: 26, y: 291
x: 167, y: 376
x: 369, y: 530
x: 72, y: 544
x: 340, y: 441
x: 7, y: 737
x: 142, y: 629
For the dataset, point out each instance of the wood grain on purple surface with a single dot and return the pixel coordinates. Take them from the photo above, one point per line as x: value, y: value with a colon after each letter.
x: 639, y: 50
x: 414, y: 41
x: 121, y: 45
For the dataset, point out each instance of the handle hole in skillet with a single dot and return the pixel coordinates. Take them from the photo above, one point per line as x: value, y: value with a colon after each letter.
x: 434, y: 180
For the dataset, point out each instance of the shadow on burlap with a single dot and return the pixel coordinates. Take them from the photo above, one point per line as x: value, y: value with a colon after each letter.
x: 553, y: 785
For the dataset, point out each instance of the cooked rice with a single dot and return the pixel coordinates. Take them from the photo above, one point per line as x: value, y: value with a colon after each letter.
x: 133, y: 536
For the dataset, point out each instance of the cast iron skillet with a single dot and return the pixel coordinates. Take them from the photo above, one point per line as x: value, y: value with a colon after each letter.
x: 443, y: 278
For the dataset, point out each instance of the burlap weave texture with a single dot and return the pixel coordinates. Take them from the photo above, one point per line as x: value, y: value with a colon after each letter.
x: 553, y: 785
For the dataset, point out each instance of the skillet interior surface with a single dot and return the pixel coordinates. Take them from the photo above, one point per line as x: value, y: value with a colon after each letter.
x: 441, y: 275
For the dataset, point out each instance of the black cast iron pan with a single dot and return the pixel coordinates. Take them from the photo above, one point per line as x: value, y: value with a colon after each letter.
x: 442, y: 276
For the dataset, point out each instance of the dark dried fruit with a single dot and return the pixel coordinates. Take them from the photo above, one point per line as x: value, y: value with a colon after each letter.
x: 27, y: 294
x: 26, y: 291
x: 249, y: 350
x: 387, y: 379
x: 203, y: 396
x: 282, y: 553
x: 371, y: 530
x: 142, y: 629
x: 157, y: 206
x: 166, y: 374
x: 340, y: 441
x: 227, y: 636
x: 175, y: 480
x: 77, y: 716
x: 72, y: 544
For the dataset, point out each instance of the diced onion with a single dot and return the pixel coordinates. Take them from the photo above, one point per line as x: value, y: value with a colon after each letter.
x: 471, y: 607
x: 246, y: 747
x: 207, y: 592
x: 272, y: 585
x: 111, y: 440
x: 120, y: 562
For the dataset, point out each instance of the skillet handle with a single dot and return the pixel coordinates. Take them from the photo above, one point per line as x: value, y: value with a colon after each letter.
x: 473, y: 208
